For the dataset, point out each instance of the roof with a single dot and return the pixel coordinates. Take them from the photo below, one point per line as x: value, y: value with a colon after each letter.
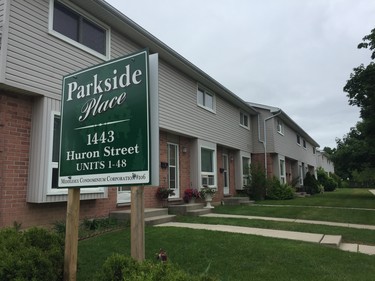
x: 287, y: 120
x: 114, y: 18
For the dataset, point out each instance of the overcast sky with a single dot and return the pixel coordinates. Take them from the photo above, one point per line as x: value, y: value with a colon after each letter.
x: 293, y: 54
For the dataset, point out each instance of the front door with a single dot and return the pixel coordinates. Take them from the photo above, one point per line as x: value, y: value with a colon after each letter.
x: 173, y: 176
x: 225, y: 174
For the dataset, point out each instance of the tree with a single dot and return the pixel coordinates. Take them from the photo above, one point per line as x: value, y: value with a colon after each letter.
x: 353, y: 153
x: 359, y: 143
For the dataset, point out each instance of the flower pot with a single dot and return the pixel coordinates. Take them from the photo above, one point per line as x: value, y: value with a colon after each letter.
x: 208, y: 199
x: 192, y: 200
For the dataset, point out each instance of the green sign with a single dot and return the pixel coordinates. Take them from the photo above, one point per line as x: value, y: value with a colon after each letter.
x: 105, y: 124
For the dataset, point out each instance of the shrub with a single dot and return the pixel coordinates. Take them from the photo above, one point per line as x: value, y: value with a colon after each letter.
x: 279, y: 191
x: 35, y: 254
x: 329, y: 183
x: 311, y: 184
x: 119, y: 267
x: 256, y: 187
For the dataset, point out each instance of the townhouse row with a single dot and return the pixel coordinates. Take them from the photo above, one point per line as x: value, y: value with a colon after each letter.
x: 207, y: 134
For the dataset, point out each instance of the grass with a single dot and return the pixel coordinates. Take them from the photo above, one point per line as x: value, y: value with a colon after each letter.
x: 344, y: 197
x: 245, y: 257
x: 232, y: 256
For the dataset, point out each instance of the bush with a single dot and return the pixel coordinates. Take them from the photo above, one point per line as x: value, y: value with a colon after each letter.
x: 119, y: 267
x: 256, y: 187
x: 311, y: 184
x: 279, y: 191
x: 329, y: 183
x: 35, y: 254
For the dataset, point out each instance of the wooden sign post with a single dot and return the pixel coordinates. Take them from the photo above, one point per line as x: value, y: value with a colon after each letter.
x: 71, y: 235
x: 137, y: 223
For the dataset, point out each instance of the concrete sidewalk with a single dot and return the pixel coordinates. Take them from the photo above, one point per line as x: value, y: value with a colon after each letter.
x: 329, y: 240
x: 350, y: 225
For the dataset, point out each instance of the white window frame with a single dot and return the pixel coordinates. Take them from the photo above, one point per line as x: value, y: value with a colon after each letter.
x: 245, y: 171
x: 280, y: 126
x: 202, y: 103
x: 177, y: 172
x: 304, y: 144
x: 207, y: 176
x: 84, y: 14
x: 54, y: 165
x: 298, y: 139
x: 244, y: 116
x: 282, y: 173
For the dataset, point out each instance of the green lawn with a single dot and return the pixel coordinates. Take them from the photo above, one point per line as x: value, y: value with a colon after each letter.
x: 246, y: 257
x: 344, y: 197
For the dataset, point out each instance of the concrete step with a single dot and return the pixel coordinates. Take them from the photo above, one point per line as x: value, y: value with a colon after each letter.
x: 159, y: 219
x: 198, y: 212
x: 237, y: 201
x: 331, y: 240
x: 183, y: 209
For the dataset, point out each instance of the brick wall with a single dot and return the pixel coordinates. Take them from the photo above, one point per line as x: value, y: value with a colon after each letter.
x: 15, y: 128
x: 258, y: 158
x: 15, y: 124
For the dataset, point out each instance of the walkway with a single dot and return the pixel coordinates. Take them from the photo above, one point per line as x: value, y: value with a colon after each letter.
x: 330, y: 240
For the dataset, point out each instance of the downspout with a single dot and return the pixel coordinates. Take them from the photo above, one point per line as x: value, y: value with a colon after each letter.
x: 265, y: 137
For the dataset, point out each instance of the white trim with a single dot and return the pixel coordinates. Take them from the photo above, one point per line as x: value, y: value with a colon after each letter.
x: 282, y: 176
x: 206, y: 92
x: 212, y: 147
x: 225, y: 159
x: 177, y: 167
x: 248, y: 120
x: 54, y: 33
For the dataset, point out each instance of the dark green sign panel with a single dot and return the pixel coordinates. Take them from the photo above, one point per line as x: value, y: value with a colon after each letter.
x: 105, y: 124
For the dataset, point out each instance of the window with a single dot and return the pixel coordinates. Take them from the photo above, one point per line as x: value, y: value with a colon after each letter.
x: 245, y: 171
x: 76, y: 28
x: 244, y: 120
x: 280, y: 126
x: 205, y: 99
x: 173, y: 167
x: 314, y: 150
x: 208, y: 167
x: 282, y: 171
x: 298, y: 140
x: 55, y: 151
x: 304, y: 143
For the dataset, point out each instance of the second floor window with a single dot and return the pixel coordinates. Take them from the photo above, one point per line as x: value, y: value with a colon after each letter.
x: 280, y: 126
x: 244, y: 119
x: 205, y: 99
x: 79, y: 28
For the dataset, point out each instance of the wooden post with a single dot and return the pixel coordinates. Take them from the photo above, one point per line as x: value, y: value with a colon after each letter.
x: 137, y: 223
x: 71, y: 235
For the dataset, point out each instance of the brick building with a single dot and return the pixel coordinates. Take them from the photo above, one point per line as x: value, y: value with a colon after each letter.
x: 208, y: 135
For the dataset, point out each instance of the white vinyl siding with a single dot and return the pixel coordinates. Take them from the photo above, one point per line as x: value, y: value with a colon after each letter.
x: 178, y: 94
x: 36, y: 61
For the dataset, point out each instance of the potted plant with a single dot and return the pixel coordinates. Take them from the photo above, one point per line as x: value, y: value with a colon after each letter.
x: 191, y: 194
x: 207, y: 193
x: 163, y: 193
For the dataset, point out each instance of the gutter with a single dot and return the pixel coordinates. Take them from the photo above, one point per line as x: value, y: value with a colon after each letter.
x: 265, y: 137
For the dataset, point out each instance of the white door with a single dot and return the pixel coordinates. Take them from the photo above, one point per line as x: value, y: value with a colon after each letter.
x: 173, y: 176
x: 226, y: 174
